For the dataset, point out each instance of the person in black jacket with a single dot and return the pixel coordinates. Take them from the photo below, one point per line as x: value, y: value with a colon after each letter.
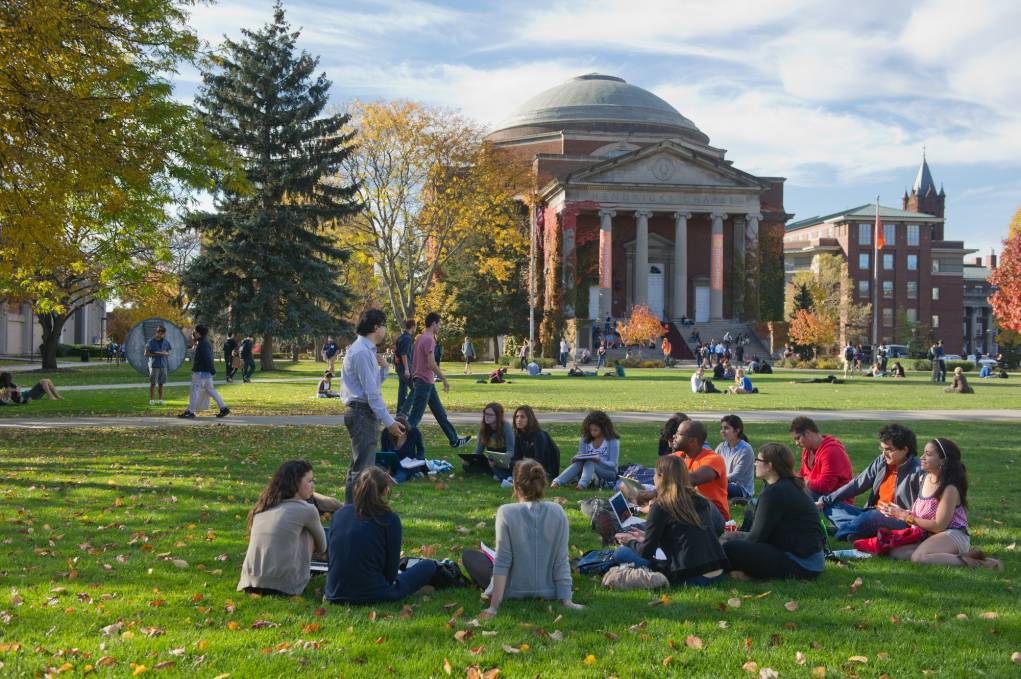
x: 786, y: 539
x: 684, y: 525
x: 202, y: 371
x: 229, y: 347
x: 532, y: 442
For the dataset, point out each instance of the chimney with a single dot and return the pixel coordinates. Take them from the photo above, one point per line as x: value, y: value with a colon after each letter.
x: 992, y: 261
x: 978, y: 261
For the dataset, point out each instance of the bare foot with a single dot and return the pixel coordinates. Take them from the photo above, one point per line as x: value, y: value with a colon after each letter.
x: 740, y: 575
x: 554, y: 485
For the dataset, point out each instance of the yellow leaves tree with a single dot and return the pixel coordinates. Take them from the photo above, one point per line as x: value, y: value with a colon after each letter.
x: 813, y: 330
x: 428, y: 183
x: 832, y: 293
x: 641, y: 328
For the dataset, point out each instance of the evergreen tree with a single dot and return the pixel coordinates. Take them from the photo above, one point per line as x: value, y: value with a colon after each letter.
x: 802, y: 299
x: 267, y: 265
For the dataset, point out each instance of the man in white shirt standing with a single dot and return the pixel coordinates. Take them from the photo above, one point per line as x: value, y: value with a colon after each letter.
x: 361, y: 382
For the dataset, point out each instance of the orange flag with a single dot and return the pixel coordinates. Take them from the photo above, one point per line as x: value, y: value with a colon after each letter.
x: 879, y: 232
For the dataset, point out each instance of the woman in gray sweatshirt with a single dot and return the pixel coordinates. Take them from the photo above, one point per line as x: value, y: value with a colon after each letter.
x: 531, y: 545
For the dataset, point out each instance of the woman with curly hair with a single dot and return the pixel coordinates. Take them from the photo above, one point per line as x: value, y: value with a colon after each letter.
x: 285, y: 531
x: 598, y: 453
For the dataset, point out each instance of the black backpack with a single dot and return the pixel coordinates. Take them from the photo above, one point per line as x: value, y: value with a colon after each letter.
x: 448, y: 574
x: 601, y: 518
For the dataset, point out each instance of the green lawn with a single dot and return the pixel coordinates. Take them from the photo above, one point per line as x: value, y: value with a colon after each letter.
x: 641, y: 390
x: 93, y: 521
x: 101, y: 372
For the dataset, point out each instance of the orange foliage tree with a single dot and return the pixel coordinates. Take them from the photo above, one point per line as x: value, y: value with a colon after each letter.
x: 641, y: 328
x: 813, y: 330
x: 1006, y: 301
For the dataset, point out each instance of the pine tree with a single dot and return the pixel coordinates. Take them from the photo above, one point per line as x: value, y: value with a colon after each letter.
x: 802, y: 298
x: 267, y: 265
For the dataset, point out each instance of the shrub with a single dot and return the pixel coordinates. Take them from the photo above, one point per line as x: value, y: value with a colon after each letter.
x: 926, y: 365
x: 922, y: 364
x: 635, y: 363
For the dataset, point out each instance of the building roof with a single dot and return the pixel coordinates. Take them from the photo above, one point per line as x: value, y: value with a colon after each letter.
x: 597, y: 98
x: 865, y: 212
x: 923, y: 180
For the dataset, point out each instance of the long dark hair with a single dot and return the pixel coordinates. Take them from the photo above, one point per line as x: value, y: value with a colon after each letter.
x: 492, y: 435
x: 370, y: 493
x: 780, y: 456
x: 666, y: 433
x: 5, y: 380
x: 953, y: 472
x: 532, y: 422
x: 600, y: 419
x: 283, y: 485
x: 735, y: 422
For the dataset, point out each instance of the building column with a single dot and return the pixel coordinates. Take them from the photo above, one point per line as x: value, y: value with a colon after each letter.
x: 641, y: 295
x: 752, y: 309
x: 716, y: 268
x: 680, y: 291
x: 606, y: 263
x: 737, y: 262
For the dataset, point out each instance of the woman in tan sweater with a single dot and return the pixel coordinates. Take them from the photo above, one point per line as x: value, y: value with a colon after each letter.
x: 285, y: 531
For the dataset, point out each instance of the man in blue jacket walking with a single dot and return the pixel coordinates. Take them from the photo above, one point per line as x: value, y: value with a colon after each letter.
x: 202, y: 371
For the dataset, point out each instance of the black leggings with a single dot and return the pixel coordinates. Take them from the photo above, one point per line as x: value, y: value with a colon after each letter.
x: 764, y: 561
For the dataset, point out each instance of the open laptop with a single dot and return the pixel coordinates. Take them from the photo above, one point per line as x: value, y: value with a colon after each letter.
x: 622, y: 510
x: 499, y: 460
x: 476, y: 463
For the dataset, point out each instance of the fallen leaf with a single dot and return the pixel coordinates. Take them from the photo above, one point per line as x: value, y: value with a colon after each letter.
x: 139, y: 669
x: 751, y: 667
x: 319, y: 612
x: 111, y: 630
x: 232, y: 625
x: 764, y: 594
x: 310, y: 628
x: 477, y: 650
x: 1015, y: 657
x: 556, y: 635
x: 151, y: 632
x: 961, y: 616
x: 178, y: 652
x: 263, y: 624
x: 406, y: 612
x: 989, y: 615
x: 638, y: 626
x: 507, y: 648
x: 157, y: 603
x: 447, y: 667
x: 463, y: 635
x: 179, y: 563
x: 768, y: 673
x: 611, y: 636
x: 723, y: 624
x: 106, y: 661
x: 693, y: 642
x: 1012, y: 546
x: 858, y: 582
x: 201, y: 644
x: 819, y: 672
x: 590, y: 660
x: 792, y: 606
x: 488, y: 633
x: 667, y: 660
x: 734, y: 602
x: 165, y: 665
x: 858, y: 658
x: 372, y: 616
x: 800, y: 658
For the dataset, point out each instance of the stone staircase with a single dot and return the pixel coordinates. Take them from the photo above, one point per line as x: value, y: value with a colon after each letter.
x: 717, y: 329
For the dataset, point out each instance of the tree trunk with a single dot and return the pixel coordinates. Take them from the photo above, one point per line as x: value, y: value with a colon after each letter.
x: 296, y: 351
x: 266, y: 358
x: 52, y: 324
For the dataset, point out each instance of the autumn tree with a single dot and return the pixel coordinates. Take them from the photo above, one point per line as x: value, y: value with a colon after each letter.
x: 428, y: 184
x: 829, y: 289
x: 1006, y: 300
x: 814, y: 330
x: 640, y: 328
x: 268, y: 264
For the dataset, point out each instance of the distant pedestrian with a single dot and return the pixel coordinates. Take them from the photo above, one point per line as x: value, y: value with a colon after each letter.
x: 468, y: 351
x: 157, y: 350
x: 523, y: 356
x: 230, y: 349
x: 426, y: 370
x: 247, y: 350
x: 601, y: 356
x: 565, y: 350
x: 202, y: 371
x: 330, y: 351
x: 402, y: 365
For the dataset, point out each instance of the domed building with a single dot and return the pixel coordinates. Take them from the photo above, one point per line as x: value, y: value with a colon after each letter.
x: 636, y: 207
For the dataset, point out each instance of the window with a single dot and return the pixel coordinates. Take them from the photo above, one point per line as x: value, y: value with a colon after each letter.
x: 863, y: 261
x: 912, y: 315
x: 935, y: 265
x: 935, y: 320
x: 913, y: 234
x: 788, y: 265
x: 888, y: 261
x: 887, y: 289
x: 912, y: 289
x: 912, y: 262
x: 864, y: 234
x: 888, y: 317
x: 935, y: 293
x: 863, y: 289
x: 890, y: 234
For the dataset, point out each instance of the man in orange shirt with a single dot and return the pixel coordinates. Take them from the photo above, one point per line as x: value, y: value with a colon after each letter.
x: 708, y: 471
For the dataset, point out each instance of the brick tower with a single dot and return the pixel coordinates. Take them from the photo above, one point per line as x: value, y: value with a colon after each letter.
x: 923, y: 197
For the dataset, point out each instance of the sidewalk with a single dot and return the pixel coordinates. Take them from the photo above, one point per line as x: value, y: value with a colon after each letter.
x: 553, y: 417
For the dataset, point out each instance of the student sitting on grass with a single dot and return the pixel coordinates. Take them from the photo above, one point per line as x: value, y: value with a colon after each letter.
x: 742, y: 384
x: 892, y: 478
x: 598, y: 453
x: 667, y: 431
x: 325, y: 389
x: 365, y: 548
x: 898, y: 370
x: 284, y: 530
x: 532, y: 539
x: 786, y: 538
x: 684, y: 525
x: 495, y: 433
x: 531, y: 442
x: 960, y: 384
x: 739, y: 457
x: 10, y: 394
x: 409, y: 446
x: 941, y: 511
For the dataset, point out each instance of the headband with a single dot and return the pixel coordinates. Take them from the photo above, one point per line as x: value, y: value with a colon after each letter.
x: 942, y: 449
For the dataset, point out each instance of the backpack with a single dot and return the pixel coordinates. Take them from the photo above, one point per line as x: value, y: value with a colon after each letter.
x: 849, y: 354
x: 601, y: 518
x: 448, y: 574
x: 595, y: 562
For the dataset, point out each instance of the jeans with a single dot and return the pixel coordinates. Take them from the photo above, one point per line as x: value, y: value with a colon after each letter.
x: 228, y: 362
x: 762, y: 560
x: 404, y: 389
x: 563, y: 359
x: 600, y: 361
x: 734, y: 490
x: 424, y: 394
x: 853, y: 522
x: 362, y: 426
x: 402, y: 474
x: 408, y: 582
x: 623, y: 555
x: 249, y: 368
x: 586, y: 470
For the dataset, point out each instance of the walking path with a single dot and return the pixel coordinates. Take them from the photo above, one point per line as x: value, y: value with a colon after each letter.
x: 145, y: 385
x: 559, y: 417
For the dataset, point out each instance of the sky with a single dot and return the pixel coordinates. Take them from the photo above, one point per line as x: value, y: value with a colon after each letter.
x: 840, y: 98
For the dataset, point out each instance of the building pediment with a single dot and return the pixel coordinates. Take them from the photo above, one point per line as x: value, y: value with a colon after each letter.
x: 662, y: 165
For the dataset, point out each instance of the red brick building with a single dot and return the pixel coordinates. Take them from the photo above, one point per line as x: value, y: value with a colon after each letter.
x: 921, y: 275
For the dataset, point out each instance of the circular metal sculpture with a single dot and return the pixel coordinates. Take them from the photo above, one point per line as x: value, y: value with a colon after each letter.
x: 144, y: 331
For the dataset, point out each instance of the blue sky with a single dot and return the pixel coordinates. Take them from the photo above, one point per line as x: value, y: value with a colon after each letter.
x: 838, y: 97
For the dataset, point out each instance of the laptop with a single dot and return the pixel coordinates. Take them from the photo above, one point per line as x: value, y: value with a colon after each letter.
x: 319, y: 567
x: 476, y: 463
x: 622, y: 510
x: 499, y: 460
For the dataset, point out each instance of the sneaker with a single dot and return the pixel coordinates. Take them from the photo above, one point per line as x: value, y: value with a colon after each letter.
x: 462, y: 441
x: 160, y: 401
x: 187, y: 415
x: 152, y: 402
x: 224, y: 412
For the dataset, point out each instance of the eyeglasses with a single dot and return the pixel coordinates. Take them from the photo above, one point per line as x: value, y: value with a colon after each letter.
x: 759, y: 459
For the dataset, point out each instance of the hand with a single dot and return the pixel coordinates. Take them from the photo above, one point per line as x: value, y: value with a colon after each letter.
x: 381, y: 360
x: 446, y: 385
x: 820, y: 506
x: 623, y: 538
x: 570, y: 604
x: 397, y: 430
x: 488, y: 613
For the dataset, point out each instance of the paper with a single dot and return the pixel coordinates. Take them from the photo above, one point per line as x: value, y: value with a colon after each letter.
x: 660, y: 555
x: 410, y: 463
x: 487, y: 551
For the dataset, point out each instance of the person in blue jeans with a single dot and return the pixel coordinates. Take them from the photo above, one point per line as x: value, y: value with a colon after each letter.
x: 425, y: 370
x: 682, y: 524
x: 365, y: 548
x: 407, y: 446
x: 598, y: 453
x: 893, y: 477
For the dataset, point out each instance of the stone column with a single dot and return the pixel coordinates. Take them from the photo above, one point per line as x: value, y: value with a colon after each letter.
x: 641, y: 295
x: 716, y: 267
x: 680, y: 291
x: 752, y: 310
x: 606, y: 263
x: 737, y: 263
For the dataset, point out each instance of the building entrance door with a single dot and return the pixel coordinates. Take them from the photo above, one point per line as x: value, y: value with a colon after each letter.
x: 593, y: 302
x: 656, y: 290
x: 701, y: 303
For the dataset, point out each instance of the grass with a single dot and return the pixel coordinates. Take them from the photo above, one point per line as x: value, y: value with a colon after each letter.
x: 641, y: 390
x: 91, y: 522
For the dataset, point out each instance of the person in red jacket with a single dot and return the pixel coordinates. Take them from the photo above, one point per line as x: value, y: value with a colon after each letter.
x: 825, y: 466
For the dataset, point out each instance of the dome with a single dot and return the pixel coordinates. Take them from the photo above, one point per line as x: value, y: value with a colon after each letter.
x: 601, y: 102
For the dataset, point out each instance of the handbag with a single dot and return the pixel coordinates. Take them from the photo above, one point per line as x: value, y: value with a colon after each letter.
x: 595, y: 562
x: 887, y: 539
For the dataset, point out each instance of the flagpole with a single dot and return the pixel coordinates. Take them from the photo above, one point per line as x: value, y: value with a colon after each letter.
x: 531, y: 280
x: 875, y: 279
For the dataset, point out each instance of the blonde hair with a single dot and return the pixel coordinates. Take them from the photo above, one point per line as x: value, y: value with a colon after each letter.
x: 675, y: 492
x: 529, y: 480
